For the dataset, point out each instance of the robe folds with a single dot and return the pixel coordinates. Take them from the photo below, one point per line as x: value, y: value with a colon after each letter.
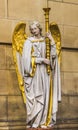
x: 42, y: 91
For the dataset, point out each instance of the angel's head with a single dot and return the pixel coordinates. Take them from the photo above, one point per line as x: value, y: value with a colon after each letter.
x: 35, y: 28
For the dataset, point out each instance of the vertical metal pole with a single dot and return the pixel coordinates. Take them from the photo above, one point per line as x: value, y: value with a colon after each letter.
x: 46, y: 10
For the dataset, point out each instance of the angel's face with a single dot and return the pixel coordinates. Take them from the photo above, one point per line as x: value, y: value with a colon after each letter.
x: 35, y: 30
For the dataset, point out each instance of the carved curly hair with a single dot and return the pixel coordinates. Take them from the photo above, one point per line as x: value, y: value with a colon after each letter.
x: 37, y: 24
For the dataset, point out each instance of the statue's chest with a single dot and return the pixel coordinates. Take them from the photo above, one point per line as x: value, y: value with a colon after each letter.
x: 37, y: 49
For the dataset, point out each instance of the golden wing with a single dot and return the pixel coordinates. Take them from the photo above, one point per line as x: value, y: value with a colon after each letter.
x: 18, y: 38
x: 57, y: 38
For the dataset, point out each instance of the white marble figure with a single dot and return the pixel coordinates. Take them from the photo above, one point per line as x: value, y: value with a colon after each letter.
x: 42, y: 90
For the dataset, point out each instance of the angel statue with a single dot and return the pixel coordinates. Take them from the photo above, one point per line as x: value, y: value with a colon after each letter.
x: 41, y: 91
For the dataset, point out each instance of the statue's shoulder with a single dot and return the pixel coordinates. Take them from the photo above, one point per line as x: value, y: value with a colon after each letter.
x: 34, y: 40
x: 28, y: 40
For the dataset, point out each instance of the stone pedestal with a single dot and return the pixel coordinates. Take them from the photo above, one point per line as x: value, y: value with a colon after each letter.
x: 39, y: 128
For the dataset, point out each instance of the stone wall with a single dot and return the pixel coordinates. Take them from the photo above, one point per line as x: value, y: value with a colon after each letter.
x: 65, y: 14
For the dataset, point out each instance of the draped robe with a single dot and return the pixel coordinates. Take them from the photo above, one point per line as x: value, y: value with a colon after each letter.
x: 37, y: 86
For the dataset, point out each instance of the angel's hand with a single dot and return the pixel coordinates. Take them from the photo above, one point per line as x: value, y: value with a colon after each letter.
x: 46, y: 61
x: 49, y: 35
x: 42, y: 60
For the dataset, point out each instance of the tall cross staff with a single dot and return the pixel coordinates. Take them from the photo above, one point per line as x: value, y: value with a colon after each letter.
x: 46, y: 10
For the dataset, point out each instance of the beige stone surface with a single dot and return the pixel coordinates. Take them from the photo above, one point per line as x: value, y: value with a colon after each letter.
x: 13, y: 87
x: 68, y: 108
x: 4, y: 82
x: 69, y: 61
x: 9, y: 83
x: 59, y: 0
x: 8, y: 77
x: 27, y: 10
x: 2, y: 57
x: 4, y: 126
x: 17, y: 125
x: 9, y: 58
x: 71, y: 1
x: 2, y: 8
x: 64, y: 13
x: 70, y: 37
x: 16, y: 108
x: 70, y: 15
x: 6, y: 60
x: 56, y: 12
x: 3, y: 108
x: 5, y: 30
x: 70, y: 83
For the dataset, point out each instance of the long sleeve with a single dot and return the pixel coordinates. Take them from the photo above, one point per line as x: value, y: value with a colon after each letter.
x: 53, y: 50
x: 53, y: 55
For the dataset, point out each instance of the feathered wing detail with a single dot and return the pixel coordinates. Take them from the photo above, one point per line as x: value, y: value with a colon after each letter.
x: 18, y: 38
x: 57, y: 38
